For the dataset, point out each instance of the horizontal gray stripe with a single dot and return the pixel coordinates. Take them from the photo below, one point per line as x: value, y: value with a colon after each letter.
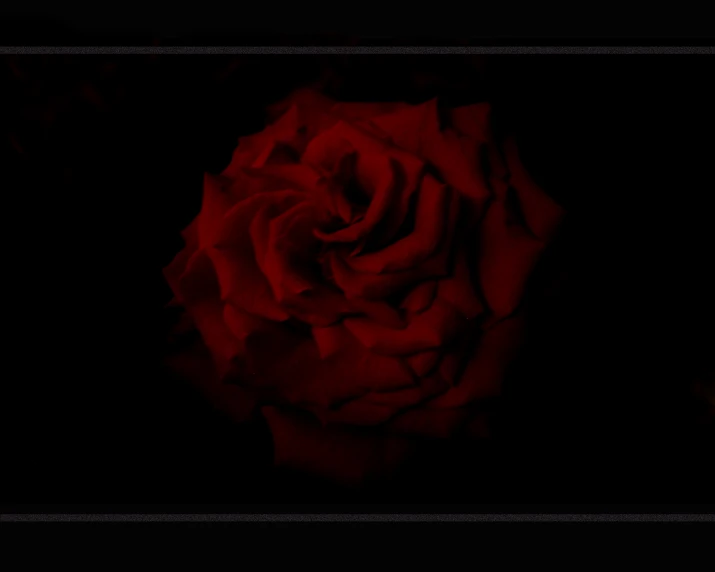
x: 357, y: 518
x: 365, y: 50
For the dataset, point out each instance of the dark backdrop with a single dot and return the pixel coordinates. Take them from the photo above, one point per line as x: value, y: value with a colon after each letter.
x: 107, y: 161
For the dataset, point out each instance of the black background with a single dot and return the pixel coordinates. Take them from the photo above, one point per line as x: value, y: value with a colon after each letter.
x: 38, y: 22
x: 598, y: 411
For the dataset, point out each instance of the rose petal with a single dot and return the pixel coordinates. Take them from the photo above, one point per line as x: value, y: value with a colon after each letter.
x: 472, y: 120
x: 380, y: 286
x: 329, y: 340
x: 408, y: 166
x: 432, y: 210
x: 376, y: 408
x: 377, y: 311
x: 197, y: 289
x: 280, y: 241
x: 296, y: 177
x: 486, y: 369
x: 542, y: 214
x: 305, y: 100
x: 241, y: 280
x: 197, y: 366
x: 325, y: 372
x: 417, y: 129
x: 283, y: 248
x: 458, y: 289
x: 360, y: 110
x: 435, y: 423
x: 508, y: 253
x: 191, y: 235
x: 423, y: 363
x: 377, y: 174
x: 216, y: 203
x: 420, y: 297
x: 242, y: 324
x: 348, y: 457
x: 430, y: 329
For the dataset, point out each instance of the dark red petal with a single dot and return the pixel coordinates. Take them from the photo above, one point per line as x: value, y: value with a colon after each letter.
x: 508, y: 253
x: 191, y: 235
x: 326, y: 372
x: 454, y: 359
x: 242, y: 324
x: 472, y: 120
x: 174, y: 270
x: 242, y: 282
x: 360, y: 111
x: 284, y: 247
x: 198, y: 290
x: 423, y: 363
x: 347, y: 457
x: 329, y: 340
x: 420, y: 297
x: 435, y: 423
x: 376, y: 173
x: 343, y: 136
x: 296, y: 177
x: 375, y: 408
x: 379, y: 312
x: 257, y: 149
x: 279, y: 240
x: 215, y: 204
x: 355, y: 412
x: 458, y: 288
x: 428, y: 388
x: 485, y: 371
x: 417, y: 129
x: 430, y: 219
x: 543, y: 215
x: 305, y: 100
x: 430, y: 329
x: 277, y: 153
x: 380, y: 286
x: 196, y: 364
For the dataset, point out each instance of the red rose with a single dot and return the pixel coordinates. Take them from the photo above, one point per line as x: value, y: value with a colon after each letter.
x: 354, y: 273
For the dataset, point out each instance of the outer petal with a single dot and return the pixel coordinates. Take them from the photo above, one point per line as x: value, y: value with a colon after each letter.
x: 472, y: 120
x: 487, y: 367
x: 197, y: 289
x: 508, y: 254
x: 326, y: 371
x: 216, y: 203
x: 197, y: 365
x: 376, y: 408
x: 437, y: 423
x: 361, y: 111
x: 541, y: 213
x: 349, y: 457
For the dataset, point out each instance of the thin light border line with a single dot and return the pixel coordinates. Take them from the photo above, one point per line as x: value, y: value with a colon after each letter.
x: 356, y: 50
x: 357, y: 518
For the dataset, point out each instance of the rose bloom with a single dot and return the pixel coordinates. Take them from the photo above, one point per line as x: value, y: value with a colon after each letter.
x: 355, y: 275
